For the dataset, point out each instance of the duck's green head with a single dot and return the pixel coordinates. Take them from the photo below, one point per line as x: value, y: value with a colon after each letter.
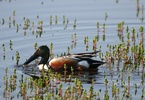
x: 43, y: 52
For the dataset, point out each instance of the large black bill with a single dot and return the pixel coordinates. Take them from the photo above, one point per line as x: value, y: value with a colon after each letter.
x: 33, y: 57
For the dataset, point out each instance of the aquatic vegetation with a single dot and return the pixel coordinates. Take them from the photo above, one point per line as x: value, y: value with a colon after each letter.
x: 51, y: 51
x: 4, y: 49
x: 97, y: 25
x: 125, y: 56
x: 26, y: 25
x: 56, y: 19
x: 120, y: 27
x: 86, y: 40
x: 35, y: 46
x: 75, y: 22
x: 9, y: 22
x: 74, y: 40
x: 106, y: 16
x: 95, y: 43
x: 39, y: 30
x: 11, y: 44
x: 3, y: 21
x: 142, y: 13
x: 32, y: 28
x: 14, y: 21
x: 64, y: 19
x: 17, y: 57
x: 103, y: 28
x: 46, y: 85
x: 50, y: 20
x: 3, y: 46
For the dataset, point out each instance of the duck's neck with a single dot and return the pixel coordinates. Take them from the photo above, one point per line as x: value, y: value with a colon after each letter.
x: 44, y: 59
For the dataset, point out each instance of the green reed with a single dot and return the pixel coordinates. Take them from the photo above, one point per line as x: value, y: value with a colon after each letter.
x: 35, y: 46
x: 39, y: 30
x: 9, y: 22
x: 11, y: 44
x: 4, y: 49
x: 86, y: 41
x: 17, y: 57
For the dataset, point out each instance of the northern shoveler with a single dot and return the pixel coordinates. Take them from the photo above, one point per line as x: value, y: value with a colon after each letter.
x: 79, y: 61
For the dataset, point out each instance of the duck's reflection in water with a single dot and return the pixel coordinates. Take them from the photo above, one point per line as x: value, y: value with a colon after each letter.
x: 86, y: 77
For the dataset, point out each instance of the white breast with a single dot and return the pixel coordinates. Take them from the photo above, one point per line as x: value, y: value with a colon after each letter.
x: 42, y: 66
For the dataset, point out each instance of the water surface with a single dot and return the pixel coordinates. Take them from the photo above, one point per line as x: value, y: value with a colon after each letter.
x: 86, y: 13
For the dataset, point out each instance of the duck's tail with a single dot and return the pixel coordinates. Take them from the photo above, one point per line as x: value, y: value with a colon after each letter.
x: 94, y: 63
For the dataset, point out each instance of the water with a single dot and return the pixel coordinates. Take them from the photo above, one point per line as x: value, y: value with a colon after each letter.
x: 86, y: 13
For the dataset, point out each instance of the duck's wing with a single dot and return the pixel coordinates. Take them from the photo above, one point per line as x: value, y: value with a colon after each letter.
x: 91, y: 63
x: 86, y: 54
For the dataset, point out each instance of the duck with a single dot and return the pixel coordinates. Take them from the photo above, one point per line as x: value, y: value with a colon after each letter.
x: 77, y: 62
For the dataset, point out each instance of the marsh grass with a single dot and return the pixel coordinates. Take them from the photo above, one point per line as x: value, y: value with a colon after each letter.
x: 46, y: 87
